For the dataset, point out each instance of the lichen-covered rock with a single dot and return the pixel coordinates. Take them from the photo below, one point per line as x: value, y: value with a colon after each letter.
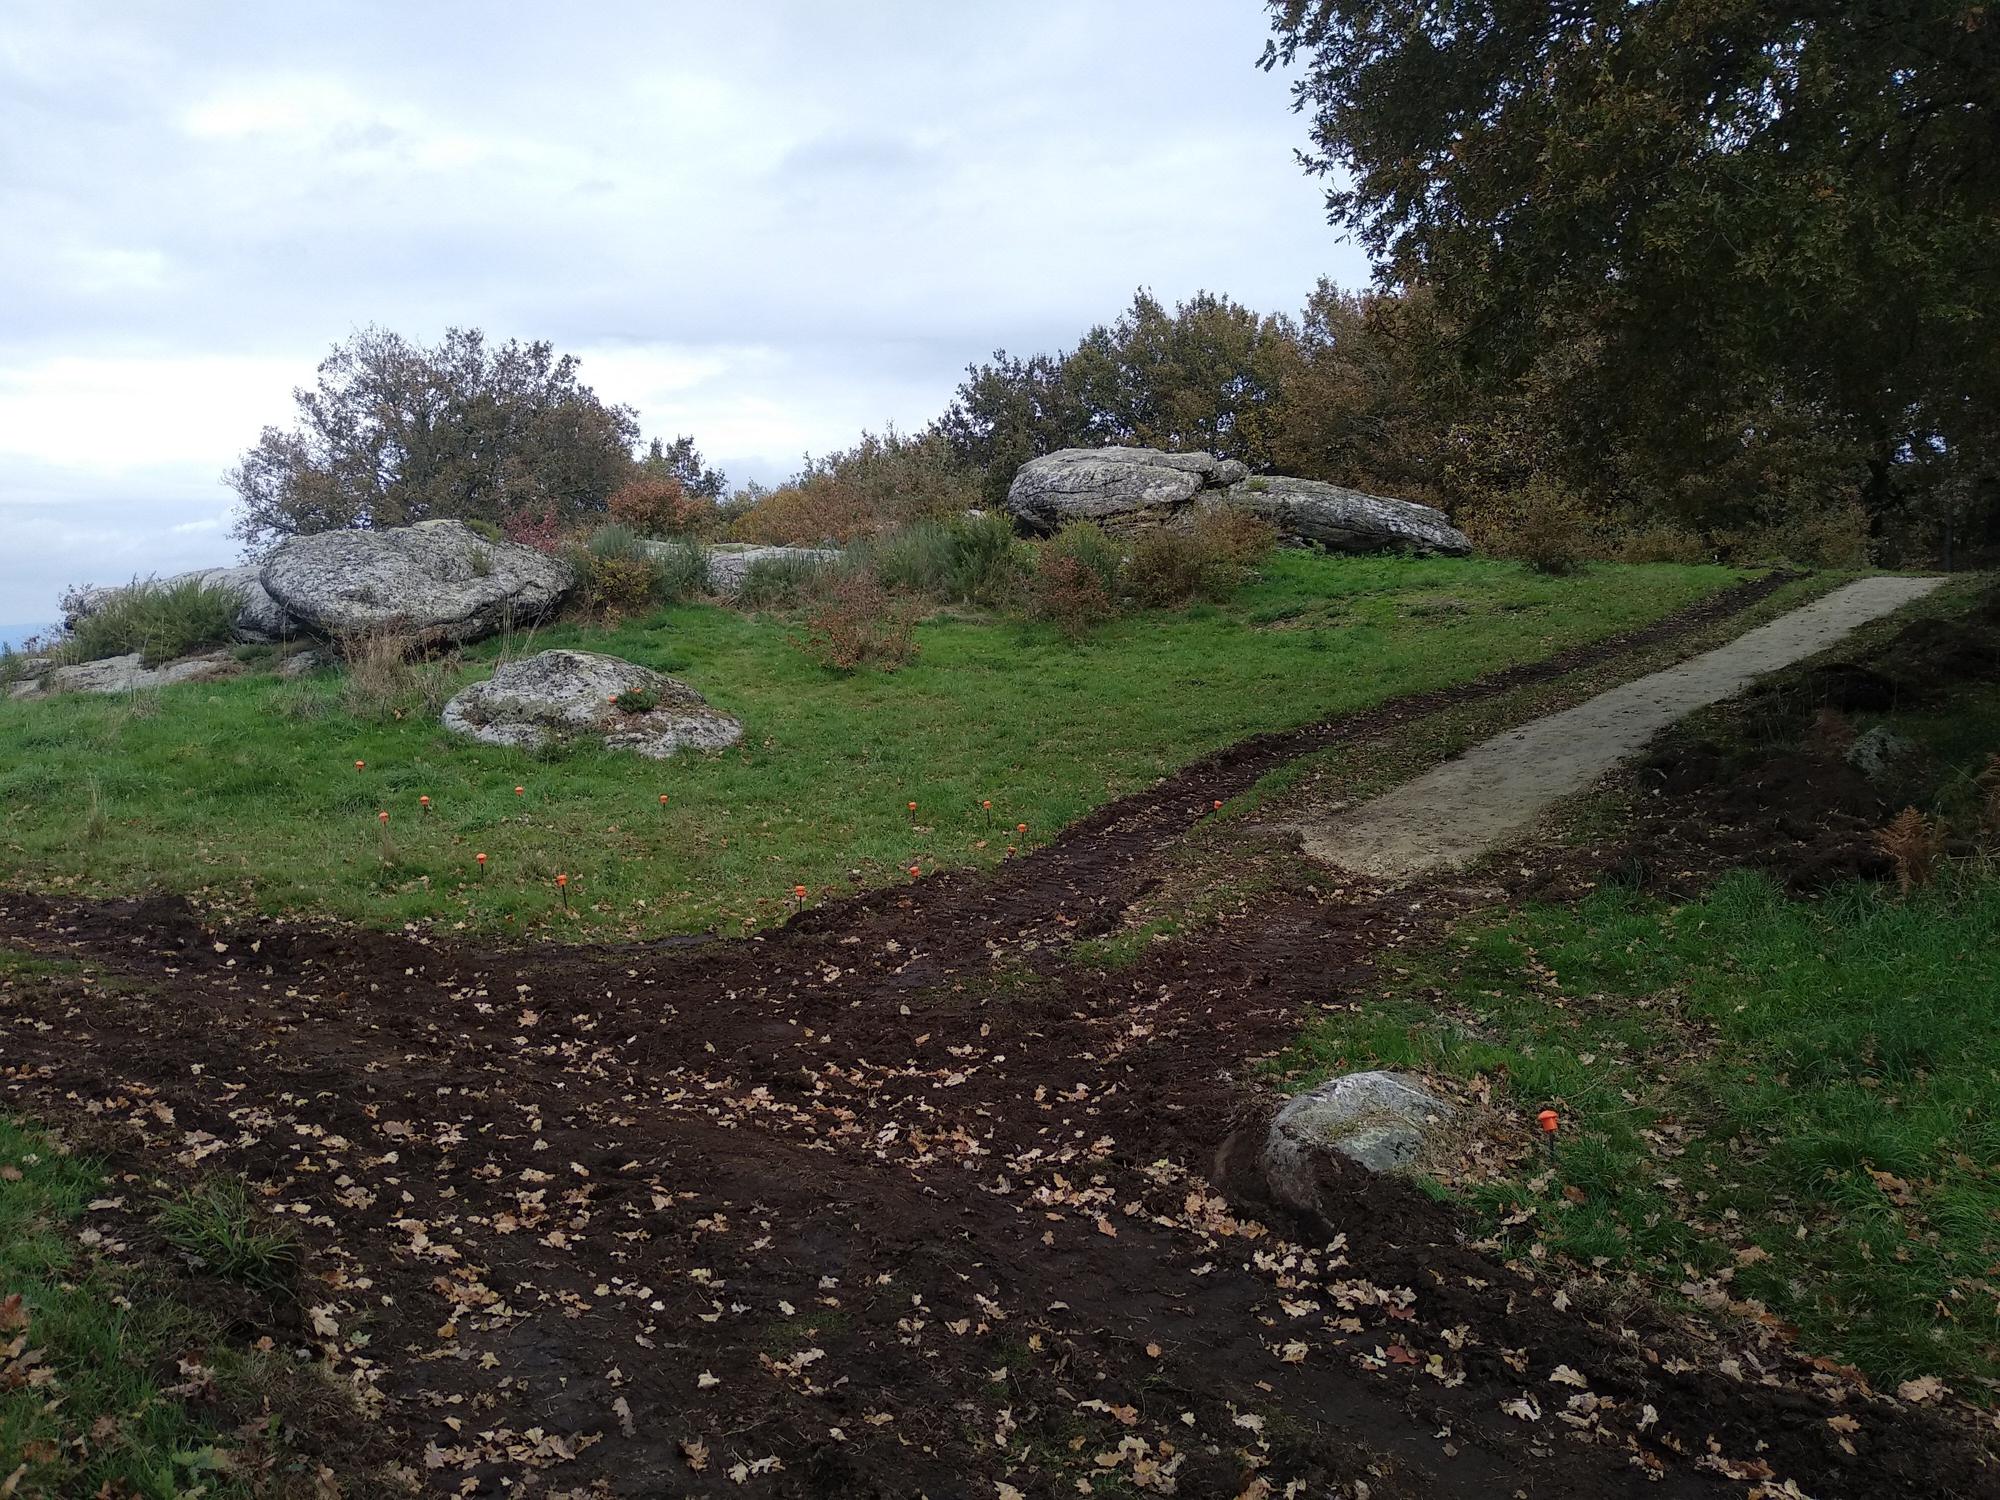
x: 438, y: 581
x: 125, y: 674
x: 260, y: 619
x: 1344, y: 520
x: 1118, y: 488
x: 1880, y: 752
x: 567, y: 695
x: 1382, y: 1120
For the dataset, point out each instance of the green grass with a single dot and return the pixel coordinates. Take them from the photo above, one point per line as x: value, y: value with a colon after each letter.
x: 1733, y: 1075
x: 245, y: 792
x: 158, y: 620
x: 216, y: 1224
x: 89, y: 1411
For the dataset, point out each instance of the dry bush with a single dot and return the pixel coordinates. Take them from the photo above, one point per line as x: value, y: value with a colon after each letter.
x: 1544, y: 524
x: 1914, y: 842
x: 1068, y: 593
x: 385, y: 678
x: 855, y: 622
x: 1235, y: 536
x: 1830, y: 535
x: 1664, y: 542
x: 880, y: 485
x: 657, y: 505
x: 1209, y: 559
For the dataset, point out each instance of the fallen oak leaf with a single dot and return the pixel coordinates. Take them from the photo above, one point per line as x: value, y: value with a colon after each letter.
x: 695, y: 1451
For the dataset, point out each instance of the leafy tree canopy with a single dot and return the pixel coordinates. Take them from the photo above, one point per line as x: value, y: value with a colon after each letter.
x: 1695, y: 221
x: 395, y: 432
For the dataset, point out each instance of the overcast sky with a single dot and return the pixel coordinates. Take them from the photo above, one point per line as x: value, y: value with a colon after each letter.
x: 768, y: 225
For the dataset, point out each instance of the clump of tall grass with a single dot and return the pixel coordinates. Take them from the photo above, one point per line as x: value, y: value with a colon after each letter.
x: 780, y: 582
x: 960, y: 560
x: 160, y: 621
x: 386, y: 678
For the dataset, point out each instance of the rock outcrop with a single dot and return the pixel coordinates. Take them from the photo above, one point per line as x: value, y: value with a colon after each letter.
x: 125, y: 674
x: 558, y: 696
x: 1383, y: 1121
x: 1127, y: 489
x: 439, y: 582
x: 1306, y: 511
x: 1118, y: 488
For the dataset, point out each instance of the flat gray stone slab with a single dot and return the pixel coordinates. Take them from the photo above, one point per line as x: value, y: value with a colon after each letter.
x: 1491, y: 796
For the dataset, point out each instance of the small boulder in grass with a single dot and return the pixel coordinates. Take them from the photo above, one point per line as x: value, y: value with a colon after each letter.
x: 1383, y: 1121
x: 562, y: 696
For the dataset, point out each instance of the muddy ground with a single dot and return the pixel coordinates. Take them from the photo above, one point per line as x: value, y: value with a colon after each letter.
x: 896, y: 1200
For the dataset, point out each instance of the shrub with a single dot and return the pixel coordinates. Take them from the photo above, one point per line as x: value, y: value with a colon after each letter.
x: 657, y: 505
x: 1664, y: 542
x: 855, y: 623
x: 963, y: 560
x: 1091, y: 546
x: 1543, y: 523
x: 880, y: 485
x: 1075, y: 582
x: 160, y: 621
x: 1167, y: 568
x: 1209, y: 559
x: 779, y: 582
x: 1235, y: 537
x: 539, y: 529
x: 1826, y: 536
x: 616, y: 585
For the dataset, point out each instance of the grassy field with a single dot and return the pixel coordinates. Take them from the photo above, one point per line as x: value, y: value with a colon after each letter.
x: 1773, y: 1106
x: 245, y: 793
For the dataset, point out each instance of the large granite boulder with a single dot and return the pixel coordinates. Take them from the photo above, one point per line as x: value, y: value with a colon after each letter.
x: 259, y: 618
x: 556, y: 696
x: 437, y: 581
x: 1118, y: 488
x: 1383, y: 1121
x: 1344, y: 520
x: 126, y: 674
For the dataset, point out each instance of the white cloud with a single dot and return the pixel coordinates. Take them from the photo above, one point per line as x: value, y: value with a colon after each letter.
x: 766, y: 226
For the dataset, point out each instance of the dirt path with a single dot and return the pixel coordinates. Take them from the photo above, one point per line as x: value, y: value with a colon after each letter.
x: 1492, y: 795
x: 896, y: 1200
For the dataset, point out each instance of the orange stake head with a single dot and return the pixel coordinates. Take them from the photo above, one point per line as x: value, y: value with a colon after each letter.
x: 383, y: 816
x: 1548, y: 1119
x: 361, y: 765
x: 1020, y: 828
x: 562, y: 880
